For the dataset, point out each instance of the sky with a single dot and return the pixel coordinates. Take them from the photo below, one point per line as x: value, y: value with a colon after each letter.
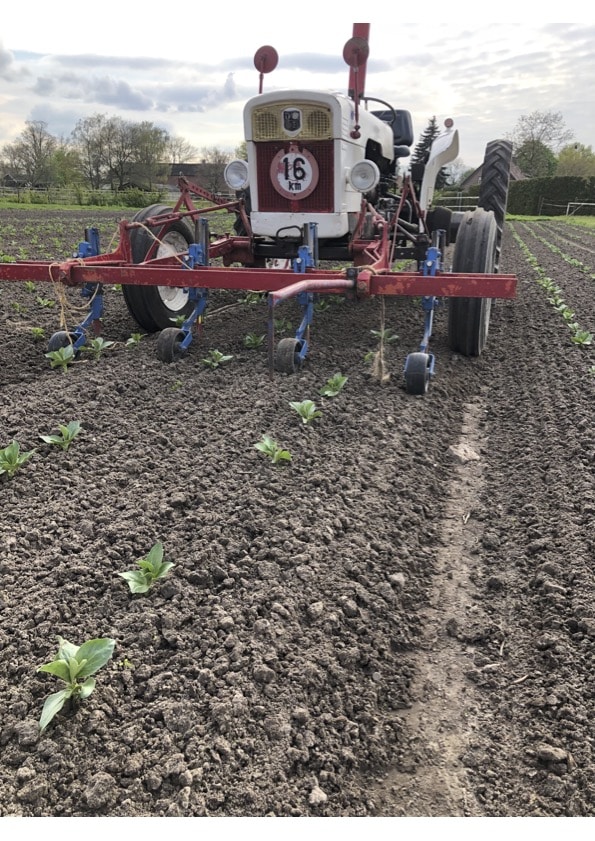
x: 190, y: 68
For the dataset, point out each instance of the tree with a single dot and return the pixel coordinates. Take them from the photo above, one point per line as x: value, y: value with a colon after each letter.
x: 456, y: 172
x: 546, y: 127
x: 214, y: 161
x: 576, y: 159
x: 116, y: 152
x: 536, y: 139
x: 535, y: 159
x: 149, y: 150
x: 421, y: 153
x: 90, y: 138
x: 65, y: 165
x: 179, y: 151
x: 31, y: 154
x: 241, y: 151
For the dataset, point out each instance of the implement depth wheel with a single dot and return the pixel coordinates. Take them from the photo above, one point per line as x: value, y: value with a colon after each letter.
x: 287, y: 359
x: 59, y: 340
x: 155, y: 307
x: 417, y: 373
x: 475, y: 253
x: 169, y: 344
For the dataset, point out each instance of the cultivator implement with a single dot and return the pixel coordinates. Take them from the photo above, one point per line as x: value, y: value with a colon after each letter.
x: 319, y: 209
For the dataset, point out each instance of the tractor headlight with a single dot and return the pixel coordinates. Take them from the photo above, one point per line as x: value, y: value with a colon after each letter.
x: 364, y: 176
x: 236, y: 175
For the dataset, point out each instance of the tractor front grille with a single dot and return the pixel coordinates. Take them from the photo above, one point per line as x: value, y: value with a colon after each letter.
x: 315, y: 119
x: 319, y: 201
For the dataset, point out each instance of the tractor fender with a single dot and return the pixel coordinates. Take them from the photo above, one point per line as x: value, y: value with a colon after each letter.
x: 443, y: 150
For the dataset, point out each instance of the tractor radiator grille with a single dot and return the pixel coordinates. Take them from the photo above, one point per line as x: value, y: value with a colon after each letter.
x: 315, y: 122
x: 320, y: 201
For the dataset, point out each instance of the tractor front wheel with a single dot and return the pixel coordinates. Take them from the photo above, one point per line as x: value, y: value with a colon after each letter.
x: 475, y: 253
x: 157, y: 307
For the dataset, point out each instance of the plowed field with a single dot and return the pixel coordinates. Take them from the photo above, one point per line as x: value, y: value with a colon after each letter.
x: 400, y: 621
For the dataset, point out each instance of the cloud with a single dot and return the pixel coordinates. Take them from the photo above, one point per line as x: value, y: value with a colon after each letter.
x: 10, y: 71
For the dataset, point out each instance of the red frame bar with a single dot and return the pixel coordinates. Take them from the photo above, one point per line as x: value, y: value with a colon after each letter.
x: 168, y: 272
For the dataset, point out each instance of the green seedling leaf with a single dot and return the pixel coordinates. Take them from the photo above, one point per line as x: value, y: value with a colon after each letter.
x: 86, y: 688
x: 67, y: 435
x: 52, y: 706
x: 59, y: 668
x: 307, y: 410
x: 94, y: 654
x: 66, y: 649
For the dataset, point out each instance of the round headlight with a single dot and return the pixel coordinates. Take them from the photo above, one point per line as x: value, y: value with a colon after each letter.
x: 236, y: 175
x: 364, y: 176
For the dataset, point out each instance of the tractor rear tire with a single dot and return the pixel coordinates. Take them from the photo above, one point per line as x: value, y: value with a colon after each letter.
x: 157, y: 307
x: 493, y: 190
x: 475, y: 253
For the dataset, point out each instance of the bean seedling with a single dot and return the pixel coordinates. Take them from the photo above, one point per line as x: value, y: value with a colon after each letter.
x: 253, y: 341
x: 385, y: 335
x: 216, y: 358
x: 11, y: 459
x: 151, y: 568
x: 582, y: 337
x: 67, y: 435
x: 281, y: 325
x: 74, y: 664
x: 134, y: 340
x: 307, y: 410
x: 97, y: 346
x: 333, y: 385
x: 271, y: 449
x: 61, y: 358
x: 38, y: 334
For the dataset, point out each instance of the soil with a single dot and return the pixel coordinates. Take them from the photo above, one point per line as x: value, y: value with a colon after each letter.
x: 399, y: 621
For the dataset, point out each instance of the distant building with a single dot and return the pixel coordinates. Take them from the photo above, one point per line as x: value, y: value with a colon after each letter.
x: 475, y: 177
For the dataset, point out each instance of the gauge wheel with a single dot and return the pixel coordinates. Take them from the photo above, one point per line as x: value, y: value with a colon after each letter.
x: 417, y: 373
x: 287, y: 358
x: 169, y: 344
x: 59, y: 340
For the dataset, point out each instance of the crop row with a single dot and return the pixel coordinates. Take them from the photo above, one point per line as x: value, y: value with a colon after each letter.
x: 555, y: 296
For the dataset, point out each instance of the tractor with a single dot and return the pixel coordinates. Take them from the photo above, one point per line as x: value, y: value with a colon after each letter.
x: 324, y: 204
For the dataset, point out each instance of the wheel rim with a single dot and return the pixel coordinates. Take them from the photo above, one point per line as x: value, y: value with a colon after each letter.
x: 172, y: 297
